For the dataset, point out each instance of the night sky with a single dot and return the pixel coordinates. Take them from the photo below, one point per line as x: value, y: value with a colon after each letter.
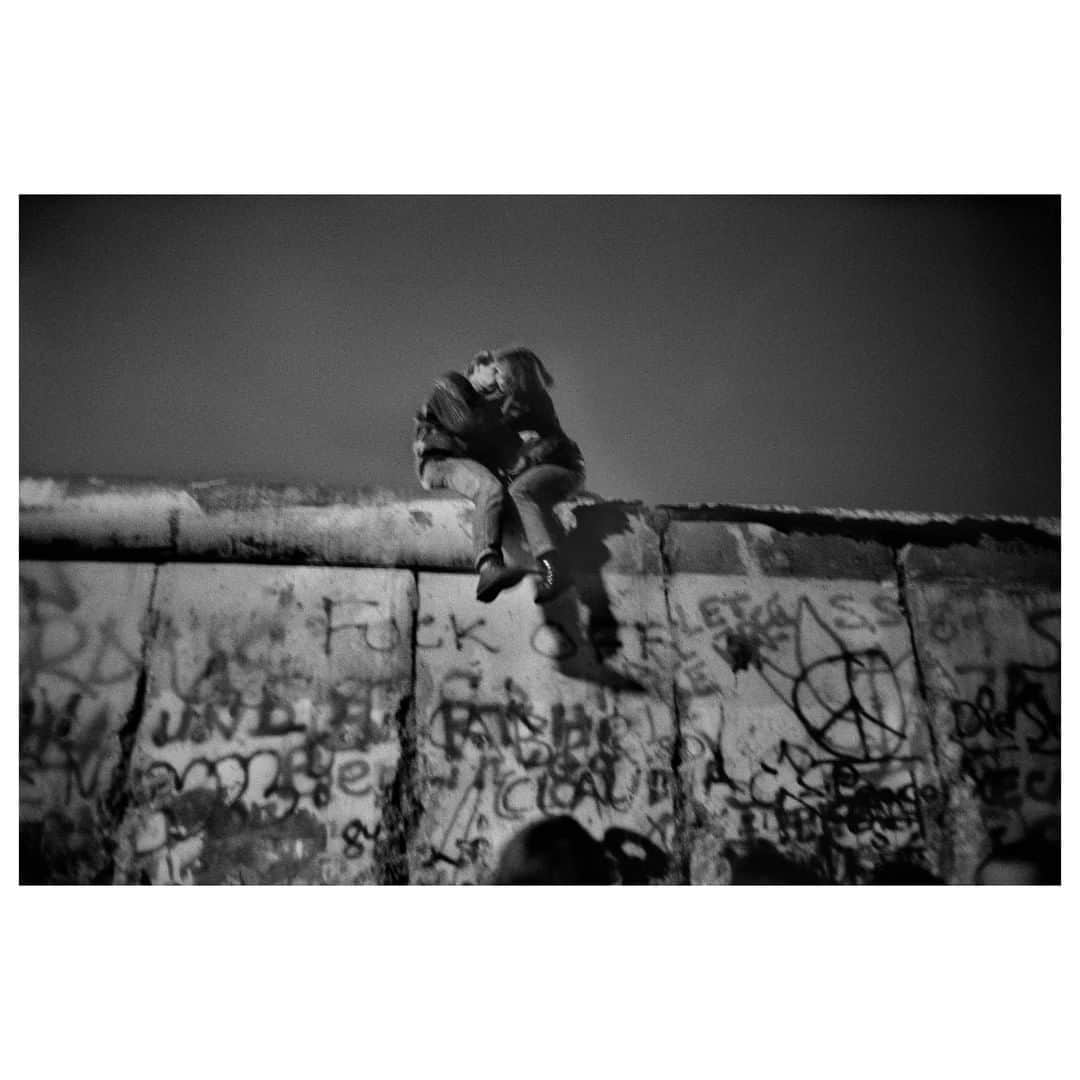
x: 887, y: 353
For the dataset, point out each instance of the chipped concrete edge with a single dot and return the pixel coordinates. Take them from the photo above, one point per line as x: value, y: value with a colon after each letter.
x: 222, y: 521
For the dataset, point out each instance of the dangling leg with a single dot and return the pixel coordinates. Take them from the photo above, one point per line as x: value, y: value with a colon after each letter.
x: 478, y: 484
x: 535, y: 492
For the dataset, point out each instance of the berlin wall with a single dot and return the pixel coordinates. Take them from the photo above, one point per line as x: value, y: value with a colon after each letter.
x: 239, y: 684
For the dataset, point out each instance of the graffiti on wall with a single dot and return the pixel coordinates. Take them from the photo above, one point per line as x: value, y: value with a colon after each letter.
x: 79, y: 664
x: 509, y: 760
x: 1004, y: 707
x: 525, y: 716
x: 268, y: 744
x: 70, y: 659
x: 270, y: 741
x: 803, y: 732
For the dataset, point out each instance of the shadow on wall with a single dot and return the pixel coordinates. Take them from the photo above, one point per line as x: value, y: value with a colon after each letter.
x: 592, y: 641
x: 586, y: 644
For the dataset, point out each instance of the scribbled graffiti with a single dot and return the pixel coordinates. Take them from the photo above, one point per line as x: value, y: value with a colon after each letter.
x: 801, y: 709
x: 184, y: 807
x: 245, y: 845
x: 270, y: 734
x: 79, y: 666
x: 274, y: 778
x: 1012, y: 748
x: 852, y: 802
x: 268, y: 777
x: 353, y: 714
x: 59, y: 640
x: 505, y: 759
x: 264, y: 739
x: 825, y: 809
x: 579, y: 649
x: 1006, y: 721
x: 54, y: 743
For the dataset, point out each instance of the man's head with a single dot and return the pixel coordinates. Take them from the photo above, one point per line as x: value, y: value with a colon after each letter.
x: 482, y: 373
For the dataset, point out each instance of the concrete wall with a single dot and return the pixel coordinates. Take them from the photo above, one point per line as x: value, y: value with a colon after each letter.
x: 273, y: 685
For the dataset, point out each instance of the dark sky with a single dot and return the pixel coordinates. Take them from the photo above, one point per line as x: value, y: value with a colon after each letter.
x: 888, y: 353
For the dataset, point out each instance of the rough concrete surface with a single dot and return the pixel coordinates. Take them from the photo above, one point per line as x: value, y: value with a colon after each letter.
x: 258, y: 684
x: 801, y: 722
x: 992, y: 662
x: 269, y: 742
x: 527, y: 711
x: 81, y: 632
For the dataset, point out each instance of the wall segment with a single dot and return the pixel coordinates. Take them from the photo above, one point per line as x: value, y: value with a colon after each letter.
x: 271, y: 685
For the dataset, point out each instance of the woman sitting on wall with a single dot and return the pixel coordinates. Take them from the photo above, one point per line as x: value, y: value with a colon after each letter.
x: 548, y: 466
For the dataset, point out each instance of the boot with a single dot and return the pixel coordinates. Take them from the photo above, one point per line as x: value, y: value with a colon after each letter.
x: 494, y: 577
x: 552, y: 582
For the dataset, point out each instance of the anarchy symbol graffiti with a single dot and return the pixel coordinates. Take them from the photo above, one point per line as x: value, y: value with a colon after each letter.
x: 851, y: 704
x: 848, y: 696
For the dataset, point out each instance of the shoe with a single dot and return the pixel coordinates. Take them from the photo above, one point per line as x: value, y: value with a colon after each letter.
x: 552, y: 583
x: 495, y: 576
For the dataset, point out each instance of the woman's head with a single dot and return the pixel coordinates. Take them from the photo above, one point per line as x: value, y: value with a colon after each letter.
x: 519, y: 369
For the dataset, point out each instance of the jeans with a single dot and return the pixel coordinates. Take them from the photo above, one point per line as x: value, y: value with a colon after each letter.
x: 535, y: 492
x: 482, y: 488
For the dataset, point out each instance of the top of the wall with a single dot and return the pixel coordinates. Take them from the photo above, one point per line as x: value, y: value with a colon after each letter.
x: 218, y: 520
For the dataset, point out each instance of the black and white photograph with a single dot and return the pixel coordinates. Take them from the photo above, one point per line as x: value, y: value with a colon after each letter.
x: 595, y: 445
x: 540, y: 540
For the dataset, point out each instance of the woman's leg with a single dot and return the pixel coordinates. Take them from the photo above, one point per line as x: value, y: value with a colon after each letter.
x: 535, y: 492
x: 478, y: 484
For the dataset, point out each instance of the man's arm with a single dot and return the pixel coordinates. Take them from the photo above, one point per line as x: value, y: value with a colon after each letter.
x: 449, y: 408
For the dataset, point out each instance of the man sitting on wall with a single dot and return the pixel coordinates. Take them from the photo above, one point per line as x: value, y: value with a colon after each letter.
x: 463, y: 445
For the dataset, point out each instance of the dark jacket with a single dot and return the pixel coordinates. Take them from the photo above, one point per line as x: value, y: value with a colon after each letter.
x: 528, y: 407
x: 458, y: 421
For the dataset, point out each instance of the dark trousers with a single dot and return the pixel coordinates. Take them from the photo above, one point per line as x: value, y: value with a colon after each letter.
x: 533, y: 493
x: 478, y: 484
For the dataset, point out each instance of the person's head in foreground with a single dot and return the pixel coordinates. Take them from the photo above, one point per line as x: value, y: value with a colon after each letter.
x: 555, y: 851
x: 1034, y: 860
x: 560, y: 851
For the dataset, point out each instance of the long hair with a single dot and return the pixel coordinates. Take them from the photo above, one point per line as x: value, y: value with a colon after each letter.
x: 526, y: 369
x: 526, y: 398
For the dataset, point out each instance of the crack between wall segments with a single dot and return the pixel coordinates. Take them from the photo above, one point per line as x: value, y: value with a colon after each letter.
x: 681, y: 845
x: 118, y: 798
x: 939, y: 827
x: 328, y: 608
x: 403, y: 809
x: 920, y: 672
